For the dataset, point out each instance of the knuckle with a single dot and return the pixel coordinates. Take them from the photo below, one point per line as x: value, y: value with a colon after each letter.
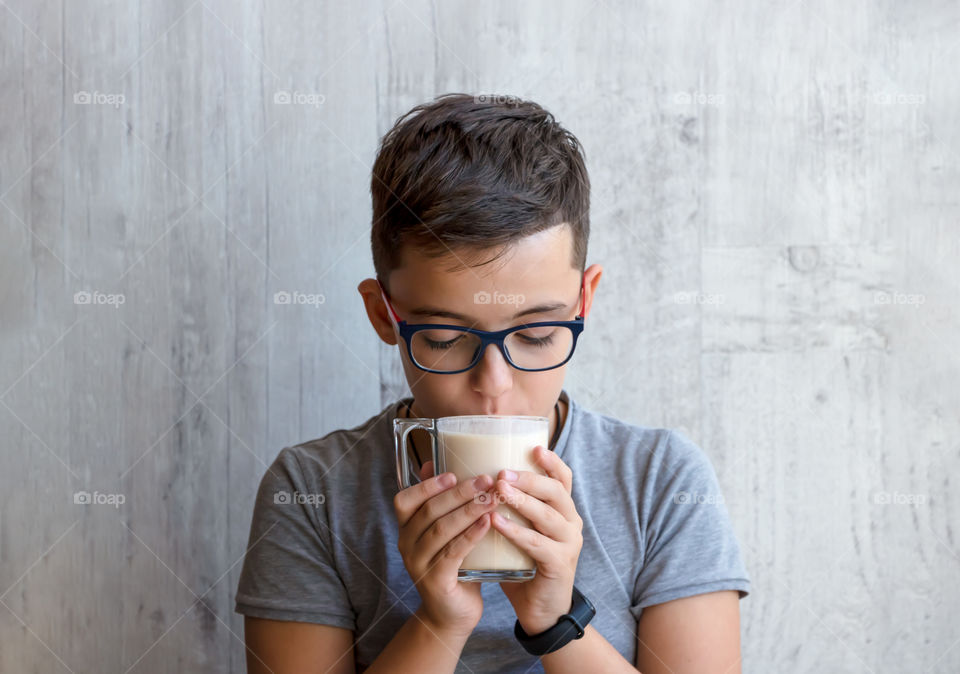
x: 549, y: 513
x: 440, y: 531
x: 450, y: 551
x: 429, y: 511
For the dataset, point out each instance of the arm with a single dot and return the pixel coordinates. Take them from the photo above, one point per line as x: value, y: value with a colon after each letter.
x: 279, y: 647
x: 420, y: 647
x: 694, y: 634
x: 589, y: 653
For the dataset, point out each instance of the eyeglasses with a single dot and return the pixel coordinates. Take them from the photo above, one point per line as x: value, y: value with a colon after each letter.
x: 451, y: 349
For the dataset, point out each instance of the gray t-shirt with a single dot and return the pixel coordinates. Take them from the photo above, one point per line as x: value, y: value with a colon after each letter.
x: 323, y: 542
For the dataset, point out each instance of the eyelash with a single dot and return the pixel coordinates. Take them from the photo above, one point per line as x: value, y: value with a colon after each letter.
x: 539, y: 341
x: 443, y: 346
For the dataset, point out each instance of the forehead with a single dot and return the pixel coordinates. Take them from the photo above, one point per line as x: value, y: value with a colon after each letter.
x: 533, y: 277
x: 540, y: 259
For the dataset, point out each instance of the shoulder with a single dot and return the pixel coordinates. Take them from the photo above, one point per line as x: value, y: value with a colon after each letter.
x: 362, y: 449
x: 643, y: 464
x: 649, y: 449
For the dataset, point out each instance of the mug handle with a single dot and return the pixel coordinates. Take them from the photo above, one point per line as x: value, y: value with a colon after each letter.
x: 401, y: 428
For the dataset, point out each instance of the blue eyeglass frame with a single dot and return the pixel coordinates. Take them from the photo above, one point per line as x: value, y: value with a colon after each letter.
x: 407, y: 331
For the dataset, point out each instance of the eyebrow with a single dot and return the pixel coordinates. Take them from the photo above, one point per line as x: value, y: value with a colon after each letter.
x: 434, y: 312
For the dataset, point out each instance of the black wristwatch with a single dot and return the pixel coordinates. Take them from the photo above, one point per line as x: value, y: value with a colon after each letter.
x: 569, y: 626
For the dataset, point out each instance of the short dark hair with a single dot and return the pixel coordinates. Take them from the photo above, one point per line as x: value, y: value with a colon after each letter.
x: 470, y: 174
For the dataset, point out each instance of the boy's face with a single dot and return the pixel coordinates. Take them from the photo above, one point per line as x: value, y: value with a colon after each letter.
x: 534, y: 273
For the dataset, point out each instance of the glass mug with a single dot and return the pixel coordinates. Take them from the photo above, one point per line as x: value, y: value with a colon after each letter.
x: 468, y: 446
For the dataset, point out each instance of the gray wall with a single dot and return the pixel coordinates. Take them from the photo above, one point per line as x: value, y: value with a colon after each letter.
x: 775, y: 205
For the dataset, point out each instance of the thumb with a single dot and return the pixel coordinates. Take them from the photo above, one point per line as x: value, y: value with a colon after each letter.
x: 426, y: 471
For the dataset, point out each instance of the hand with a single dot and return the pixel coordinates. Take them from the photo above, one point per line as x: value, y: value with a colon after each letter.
x: 439, y: 524
x: 554, y: 542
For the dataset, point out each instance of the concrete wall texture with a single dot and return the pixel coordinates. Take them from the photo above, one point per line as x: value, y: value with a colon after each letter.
x: 774, y: 202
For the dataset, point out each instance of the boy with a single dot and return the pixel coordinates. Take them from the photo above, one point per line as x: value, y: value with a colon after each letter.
x: 474, y: 201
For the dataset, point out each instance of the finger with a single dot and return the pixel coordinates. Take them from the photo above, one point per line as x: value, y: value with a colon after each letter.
x: 544, y: 551
x: 449, y: 559
x: 547, y: 489
x: 426, y: 470
x: 554, y: 466
x: 408, y: 501
x: 445, y: 504
x: 441, y: 532
x: 543, y: 517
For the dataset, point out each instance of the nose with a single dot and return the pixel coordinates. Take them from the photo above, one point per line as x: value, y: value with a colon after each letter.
x: 492, y: 376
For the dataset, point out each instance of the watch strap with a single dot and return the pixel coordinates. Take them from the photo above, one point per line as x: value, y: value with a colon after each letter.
x: 571, y: 625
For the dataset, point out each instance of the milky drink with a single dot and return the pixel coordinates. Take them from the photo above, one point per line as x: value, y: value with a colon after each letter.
x: 473, y: 445
x: 468, y: 455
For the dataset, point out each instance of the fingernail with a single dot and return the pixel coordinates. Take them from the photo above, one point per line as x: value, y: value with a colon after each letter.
x: 481, y: 482
x: 447, y: 480
x: 509, y: 475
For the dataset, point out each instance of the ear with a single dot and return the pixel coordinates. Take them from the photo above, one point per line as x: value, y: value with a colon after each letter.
x: 377, y: 311
x: 591, y: 278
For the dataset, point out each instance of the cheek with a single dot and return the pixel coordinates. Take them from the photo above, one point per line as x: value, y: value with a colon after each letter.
x: 433, y: 391
x: 542, y: 389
